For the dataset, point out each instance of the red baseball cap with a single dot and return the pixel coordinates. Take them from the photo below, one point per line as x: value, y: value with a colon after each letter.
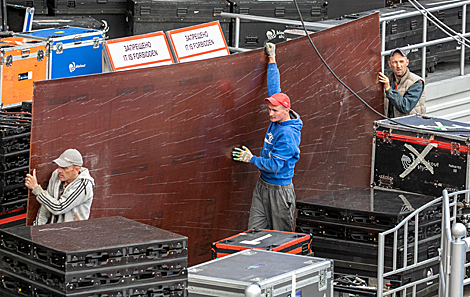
x: 279, y: 99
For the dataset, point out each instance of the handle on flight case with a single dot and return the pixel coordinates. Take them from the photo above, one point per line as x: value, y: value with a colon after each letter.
x: 25, y: 52
x: 77, y: 40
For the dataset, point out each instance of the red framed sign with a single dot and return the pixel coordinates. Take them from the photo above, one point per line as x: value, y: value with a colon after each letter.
x: 139, y: 51
x: 198, y: 42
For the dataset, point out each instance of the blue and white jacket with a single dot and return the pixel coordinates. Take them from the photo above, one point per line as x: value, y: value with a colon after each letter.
x: 281, y: 150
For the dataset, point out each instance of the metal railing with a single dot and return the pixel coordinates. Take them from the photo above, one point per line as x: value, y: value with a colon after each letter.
x: 396, y: 267
x: 425, y: 43
x: 238, y: 17
x: 450, y: 261
x: 316, y: 26
x: 453, y: 254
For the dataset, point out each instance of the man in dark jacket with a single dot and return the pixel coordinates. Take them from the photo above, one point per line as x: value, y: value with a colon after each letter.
x: 273, y: 203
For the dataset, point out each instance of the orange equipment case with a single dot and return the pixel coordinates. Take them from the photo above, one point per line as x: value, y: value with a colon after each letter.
x: 23, y: 62
x: 262, y: 239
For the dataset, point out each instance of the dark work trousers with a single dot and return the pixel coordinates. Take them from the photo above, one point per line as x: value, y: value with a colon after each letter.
x: 272, y: 207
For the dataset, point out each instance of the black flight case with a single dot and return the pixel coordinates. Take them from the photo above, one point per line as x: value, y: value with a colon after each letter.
x: 114, y: 256
x: 113, y: 12
x: 254, y: 34
x: 421, y: 154
x: 144, y: 16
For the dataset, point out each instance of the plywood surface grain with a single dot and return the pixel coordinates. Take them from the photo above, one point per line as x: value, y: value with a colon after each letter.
x: 158, y: 140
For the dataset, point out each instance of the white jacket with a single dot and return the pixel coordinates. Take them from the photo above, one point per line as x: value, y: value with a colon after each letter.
x: 74, y: 204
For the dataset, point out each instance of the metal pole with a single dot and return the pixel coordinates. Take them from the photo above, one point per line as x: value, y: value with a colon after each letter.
x: 384, y: 27
x: 380, y: 265
x: 4, y: 15
x: 462, y: 49
x: 458, y: 250
x: 445, y: 259
x: 237, y: 32
x: 423, y: 60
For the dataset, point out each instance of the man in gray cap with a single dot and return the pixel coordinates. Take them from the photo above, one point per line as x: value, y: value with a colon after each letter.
x: 69, y: 194
x: 404, y: 90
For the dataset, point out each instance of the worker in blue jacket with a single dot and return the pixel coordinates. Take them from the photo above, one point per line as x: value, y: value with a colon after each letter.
x: 273, y: 203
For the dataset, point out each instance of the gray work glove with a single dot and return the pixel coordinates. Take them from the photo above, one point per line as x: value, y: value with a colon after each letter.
x: 242, y: 154
x: 270, y: 49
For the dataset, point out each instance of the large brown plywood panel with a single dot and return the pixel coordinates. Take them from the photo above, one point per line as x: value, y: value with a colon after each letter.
x: 158, y: 140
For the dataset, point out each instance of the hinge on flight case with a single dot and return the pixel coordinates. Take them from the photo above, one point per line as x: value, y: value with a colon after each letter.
x: 455, y: 149
x: 387, y: 138
x: 59, y: 48
x: 96, y: 42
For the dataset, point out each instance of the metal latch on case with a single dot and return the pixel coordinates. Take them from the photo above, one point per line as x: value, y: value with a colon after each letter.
x: 455, y: 149
x: 385, y: 181
x: 96, y: 42
x: 9, y: 60
x: 40, y: 55
x: 322, y: 283
x: 59, y: 48
x: 77, y: 40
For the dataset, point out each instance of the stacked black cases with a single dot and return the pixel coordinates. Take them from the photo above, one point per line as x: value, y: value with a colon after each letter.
x: 402, y: 32
x: 144, y: 16
x: 365, y: 285
x: 254, y: 34
x: 111, y: 256
x: 111, y: 11
x: 421, y: 161
x: 338, y: 8
x: 405, y: 31
x: 345, y: 225
x: 451, y: 18
x: 15, y: 131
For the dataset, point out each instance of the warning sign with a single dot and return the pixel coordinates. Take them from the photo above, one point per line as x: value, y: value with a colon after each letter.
x: 139, y: 51
x: 198, y: 42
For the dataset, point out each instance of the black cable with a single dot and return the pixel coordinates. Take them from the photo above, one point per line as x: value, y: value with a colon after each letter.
x: 350, y: 90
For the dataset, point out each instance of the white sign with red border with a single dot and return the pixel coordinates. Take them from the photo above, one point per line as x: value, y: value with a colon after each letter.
x: 139, y: 51
x: 198, y: 42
